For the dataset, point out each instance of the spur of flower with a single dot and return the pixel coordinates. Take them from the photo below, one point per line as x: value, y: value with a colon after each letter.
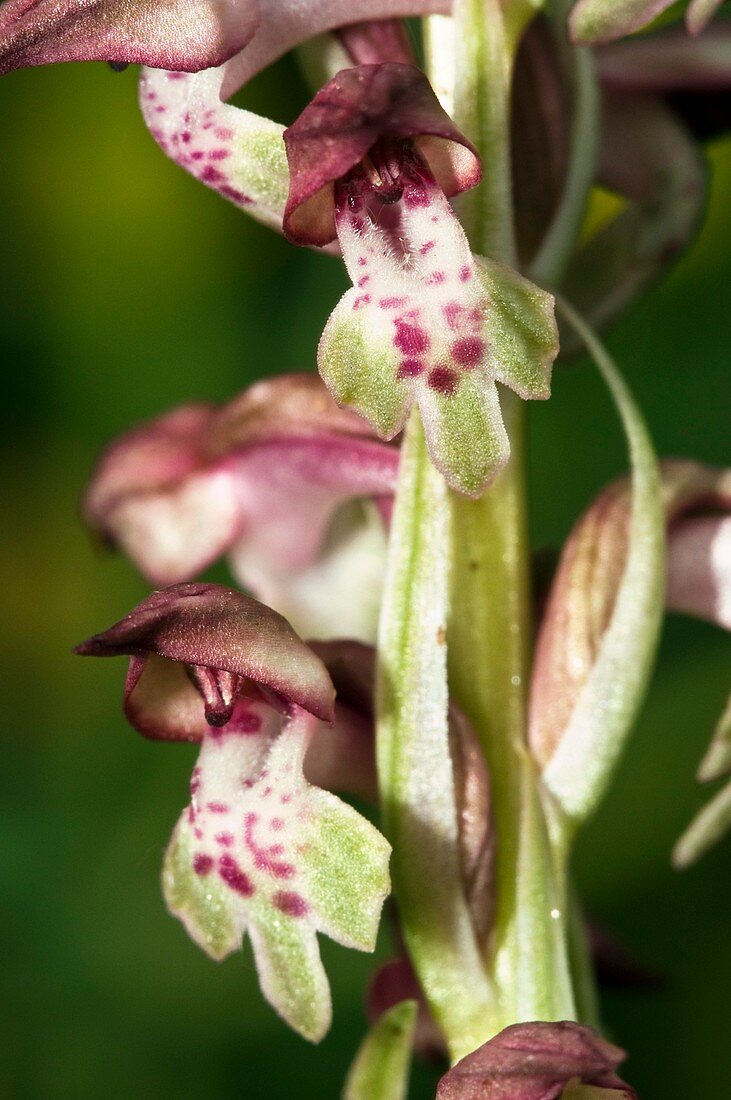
x: 259, y: 849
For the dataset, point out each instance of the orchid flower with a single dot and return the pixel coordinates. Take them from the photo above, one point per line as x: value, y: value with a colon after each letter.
x: 604, y: 20
x: 372, y: 162
x: 539, y: 1061
x: 258, y: 849
x: 583, y: 598
x: 280, y: 479
x: 186, y: 35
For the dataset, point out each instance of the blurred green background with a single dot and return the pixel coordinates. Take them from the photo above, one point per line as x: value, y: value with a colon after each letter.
x: 129, y: 288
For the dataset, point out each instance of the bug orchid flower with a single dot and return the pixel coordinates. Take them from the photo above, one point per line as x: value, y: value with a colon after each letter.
x: 258, y: 850
x: 604, y: 20
x: 539, y: 1061
x: 373, y: 160
x: 185, y: 35
x: 280, y: 479
x: 582, y: 604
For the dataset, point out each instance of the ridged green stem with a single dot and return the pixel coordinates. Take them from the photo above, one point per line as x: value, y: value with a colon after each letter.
x: 489, y: 634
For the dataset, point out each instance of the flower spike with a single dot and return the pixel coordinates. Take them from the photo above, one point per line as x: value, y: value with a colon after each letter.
x: 373, y: 159
x: 258, y: 849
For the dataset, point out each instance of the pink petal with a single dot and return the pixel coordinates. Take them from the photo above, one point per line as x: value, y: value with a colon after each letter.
x: 262, y: 476
x: 592, y: 563
x: 669, y: 61
x: 216, y: 628
x: 341, y: 124
x: 535, y: 1061
x: 171, y: 34
x: 372, y: 43
x: 287, y: 23
x: 699, y: 568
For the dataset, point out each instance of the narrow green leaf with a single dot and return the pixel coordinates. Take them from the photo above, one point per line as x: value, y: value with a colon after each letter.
x: 380, y: 1069
x: 579, y: 770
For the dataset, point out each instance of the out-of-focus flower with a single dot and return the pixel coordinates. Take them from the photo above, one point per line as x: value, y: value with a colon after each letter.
x: 186, y: 35
x: 592, y: 563
x: 280, y: 479
x: 603, y: 20
x: 259, y: 849
x: 698, y: 510
x: 539, y: 1061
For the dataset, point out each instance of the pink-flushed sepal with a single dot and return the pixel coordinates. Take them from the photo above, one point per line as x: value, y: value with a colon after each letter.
x: 197, y: 648
x: 604, y: 20
x: 539, y: 1061
x: 428, y: 323
x: 236, y: 152
x: 352, y: 116
x: 286, y: 24
x: 588, y: 577
x: 280, y: 479
x: 180, y: 34
x: 260, y: 851
x: 668, y: 61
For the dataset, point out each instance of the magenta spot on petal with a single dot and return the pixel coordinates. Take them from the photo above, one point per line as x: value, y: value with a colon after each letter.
x: 266, y: 792
x: 426, y: 247
x: 197, y: 155
x: 435, y: 218
x: 468, y: 351
x: 390, y: 303
x: 416, y: 196
x: 195, y: 781
x: 202, y: 864
x: 234, y: 877
x: 212, y: 175
x: 443, y: 380
x: 285, y: 799
x: 277, y: 823
x: 235, y: 195
x: 436, y: 278
x: 364, y: 279
x: 452, y: 313
x: 362, y: 260
x: 161, y: 109
x: 223, y: 133
x: 226, y: 839
x: 185, y: 136
x: 465, y: 273
x: 191, y: 815
x: 217, y: 807
x: 410, y: 339
x: 263, y: 857
x: 294, y: 905
x: 219, y: 154
x: 361, y: 300
x: 275, y: 849
x: 176, y: 76
x: 409, y: 368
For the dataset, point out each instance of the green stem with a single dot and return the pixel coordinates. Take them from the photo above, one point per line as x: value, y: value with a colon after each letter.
x: 414, y: 764
x: 548, y: 265
x: 490, y: 622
